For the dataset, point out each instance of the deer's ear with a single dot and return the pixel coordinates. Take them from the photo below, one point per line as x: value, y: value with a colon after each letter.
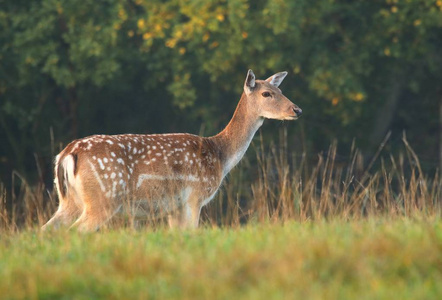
x: 276, y: 79
x: 250, y: 83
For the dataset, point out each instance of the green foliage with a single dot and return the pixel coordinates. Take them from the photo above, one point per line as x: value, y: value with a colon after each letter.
x: 83, y: 67
x: 371, y: 259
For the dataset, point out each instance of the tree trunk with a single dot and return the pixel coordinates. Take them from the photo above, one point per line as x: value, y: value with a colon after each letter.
x: 386, y: 113
x: 73, y: 114
x: 440, y: 134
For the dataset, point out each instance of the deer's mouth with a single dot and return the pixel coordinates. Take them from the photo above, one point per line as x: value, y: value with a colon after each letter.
x: 291, y: 118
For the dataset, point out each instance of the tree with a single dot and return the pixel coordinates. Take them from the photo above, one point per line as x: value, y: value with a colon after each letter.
x: 81, y: 67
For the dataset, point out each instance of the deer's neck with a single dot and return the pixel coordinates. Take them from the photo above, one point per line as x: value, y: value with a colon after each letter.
x: 234, y: 140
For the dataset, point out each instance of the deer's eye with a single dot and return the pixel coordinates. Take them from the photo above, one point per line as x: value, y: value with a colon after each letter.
x: 266, y: 94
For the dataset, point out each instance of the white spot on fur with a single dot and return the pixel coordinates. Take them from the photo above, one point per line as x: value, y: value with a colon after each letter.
x: 97, y: 176
x: 114, y: 189
x: 101, y: 164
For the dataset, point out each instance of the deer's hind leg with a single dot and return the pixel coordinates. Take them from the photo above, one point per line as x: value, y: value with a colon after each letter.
x: 97, y: 210
x: 65, y: 215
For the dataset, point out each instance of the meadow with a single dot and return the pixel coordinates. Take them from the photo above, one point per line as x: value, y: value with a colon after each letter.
x: 369, y: 259
x: 282, y: 227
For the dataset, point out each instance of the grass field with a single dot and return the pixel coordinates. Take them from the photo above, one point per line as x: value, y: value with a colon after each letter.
x: 369, y: 259
x: 280, y: 228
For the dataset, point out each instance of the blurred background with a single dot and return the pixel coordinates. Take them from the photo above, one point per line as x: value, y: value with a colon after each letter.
x: 360, y: 70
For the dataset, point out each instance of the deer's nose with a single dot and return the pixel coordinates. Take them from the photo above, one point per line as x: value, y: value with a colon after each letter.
x: 297, y: 111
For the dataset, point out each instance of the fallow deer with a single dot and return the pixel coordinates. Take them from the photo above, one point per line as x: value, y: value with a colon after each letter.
x: 176, y: 174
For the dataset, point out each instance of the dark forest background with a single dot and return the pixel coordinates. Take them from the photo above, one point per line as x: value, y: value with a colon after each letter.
x: 358, y: 69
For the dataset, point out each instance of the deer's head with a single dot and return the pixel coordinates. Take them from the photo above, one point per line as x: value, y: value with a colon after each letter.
x: 267, y: 99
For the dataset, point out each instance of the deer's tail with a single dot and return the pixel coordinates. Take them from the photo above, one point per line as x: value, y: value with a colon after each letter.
x: 65, y: 171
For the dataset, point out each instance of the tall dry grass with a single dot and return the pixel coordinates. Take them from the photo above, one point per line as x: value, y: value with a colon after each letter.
x: 277, y: 186
x: 289, y: 186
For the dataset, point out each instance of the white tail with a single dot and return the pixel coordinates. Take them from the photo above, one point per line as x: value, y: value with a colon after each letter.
x: 176, y: 174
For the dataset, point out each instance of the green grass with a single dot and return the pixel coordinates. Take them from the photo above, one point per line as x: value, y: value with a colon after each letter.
x: 363, y: 259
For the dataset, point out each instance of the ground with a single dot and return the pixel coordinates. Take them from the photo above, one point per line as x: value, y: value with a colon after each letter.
x: 363, y: 259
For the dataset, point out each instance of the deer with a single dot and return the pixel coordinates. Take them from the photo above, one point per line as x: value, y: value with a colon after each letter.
x: 170, y: 174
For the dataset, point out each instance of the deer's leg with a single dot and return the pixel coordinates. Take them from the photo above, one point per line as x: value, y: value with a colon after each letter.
x: 185, y: 217
x: 175, y: 219
x: 92, y: 220
x: 96, y: 212
x: 191, y: 215
x: 66, y: 213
